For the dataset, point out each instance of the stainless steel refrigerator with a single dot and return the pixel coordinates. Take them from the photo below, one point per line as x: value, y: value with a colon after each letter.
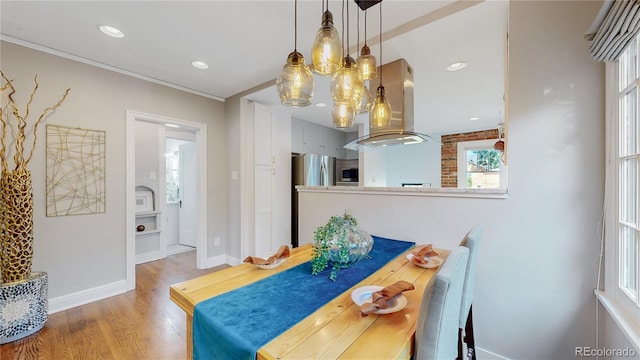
x: 309, y: 170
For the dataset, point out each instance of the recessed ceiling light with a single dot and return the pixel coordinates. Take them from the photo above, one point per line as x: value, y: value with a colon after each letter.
x: 111, y: 31
x: 172, y: 125
x: 458, y: 65
x: 321, y: 104
x: 474, y: 118
x: 200, y: 65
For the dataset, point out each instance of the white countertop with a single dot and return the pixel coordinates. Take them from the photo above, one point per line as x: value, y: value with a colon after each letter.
x: 410, y: 191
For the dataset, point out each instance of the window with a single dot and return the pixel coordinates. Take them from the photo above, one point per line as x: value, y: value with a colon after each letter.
x: 627, y: 159
x: 479, y: 165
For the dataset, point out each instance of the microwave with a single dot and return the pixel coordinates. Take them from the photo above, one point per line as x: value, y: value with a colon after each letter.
x: 349, y: 175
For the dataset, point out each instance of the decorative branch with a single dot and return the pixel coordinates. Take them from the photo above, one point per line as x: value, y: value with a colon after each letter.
x: 42, y: 116
x: 20, y: 133
x: 3, y: 158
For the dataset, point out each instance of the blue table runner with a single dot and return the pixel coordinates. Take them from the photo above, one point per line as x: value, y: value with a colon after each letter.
x: 234, y: 325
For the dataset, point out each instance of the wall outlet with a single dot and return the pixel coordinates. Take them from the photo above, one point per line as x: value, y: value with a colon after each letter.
x: 216, y: 241
x: 152, y: 175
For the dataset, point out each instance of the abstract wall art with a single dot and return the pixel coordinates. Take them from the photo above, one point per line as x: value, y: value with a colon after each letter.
x: 76, y: 171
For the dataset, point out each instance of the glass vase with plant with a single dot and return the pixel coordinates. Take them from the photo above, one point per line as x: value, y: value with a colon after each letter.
x: 339, y: 243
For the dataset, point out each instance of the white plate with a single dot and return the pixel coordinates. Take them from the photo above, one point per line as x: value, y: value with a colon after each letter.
x: 432, y: 261
x: 274, y: 264
x: 362, y: 295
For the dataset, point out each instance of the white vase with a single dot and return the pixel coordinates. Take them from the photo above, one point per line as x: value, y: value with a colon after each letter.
x: 23, y: 307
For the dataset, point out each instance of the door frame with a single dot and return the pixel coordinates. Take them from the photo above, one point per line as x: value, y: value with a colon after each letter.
x: 130, y: 184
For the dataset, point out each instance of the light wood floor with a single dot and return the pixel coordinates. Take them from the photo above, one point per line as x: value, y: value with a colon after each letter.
x: 137, y: 325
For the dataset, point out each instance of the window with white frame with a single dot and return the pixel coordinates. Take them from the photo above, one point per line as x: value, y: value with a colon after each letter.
x: 625, y: 141
x: 479, y: 165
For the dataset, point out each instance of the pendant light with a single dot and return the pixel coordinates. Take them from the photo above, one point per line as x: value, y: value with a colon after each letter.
x: 380, y: 112
x: 347, y: 83
x: 295, y: 84
x: 344, y: 115
x: 326, y: 53
x: 365, y: 99
x: 367, y: 62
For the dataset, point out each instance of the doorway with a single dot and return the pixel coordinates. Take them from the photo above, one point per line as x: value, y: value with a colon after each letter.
x: 161, y: 126
x: 181, y: 195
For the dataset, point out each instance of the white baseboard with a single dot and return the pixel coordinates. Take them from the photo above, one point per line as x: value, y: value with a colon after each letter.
x: 150, y: 256
x: 83, y: 297
x: 233, y: 261
x: 221, y: 260
x: 483, y: 354
x: 216, y: 260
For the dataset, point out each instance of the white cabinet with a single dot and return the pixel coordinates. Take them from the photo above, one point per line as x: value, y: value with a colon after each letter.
x: 323, y: 142
x: 315, y: 142
x: 350, y: 154
x: 264, y: 209
x: 271, y: 180
x: 263, y: 145
x: 297, y: 139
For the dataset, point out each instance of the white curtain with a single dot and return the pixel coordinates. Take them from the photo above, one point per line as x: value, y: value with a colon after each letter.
x: 616, y: 24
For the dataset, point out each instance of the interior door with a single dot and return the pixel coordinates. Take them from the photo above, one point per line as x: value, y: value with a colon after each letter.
x: 187, y: 194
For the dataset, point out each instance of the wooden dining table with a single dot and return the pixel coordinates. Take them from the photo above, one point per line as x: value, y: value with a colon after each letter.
x: 336, y: 330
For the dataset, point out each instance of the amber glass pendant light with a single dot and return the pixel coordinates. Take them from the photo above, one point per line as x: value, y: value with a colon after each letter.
x: 347, y: 83
x: 326, y: 52
x: 366, y: 62
x: 295, y: 84
x: 380, y: 112
x: 344, y: 115
x: 365, y: 100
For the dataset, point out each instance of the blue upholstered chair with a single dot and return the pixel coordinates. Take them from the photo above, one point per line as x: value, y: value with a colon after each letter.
x: 437, y: 327
x: 466, y: 317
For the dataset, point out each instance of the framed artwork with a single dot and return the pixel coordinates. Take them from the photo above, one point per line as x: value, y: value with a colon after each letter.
x: 144, y: 200
x: 76, y: 174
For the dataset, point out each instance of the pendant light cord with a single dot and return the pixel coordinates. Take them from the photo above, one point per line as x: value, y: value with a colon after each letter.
x: 380, y: 42
x: 295, y: 26
x: 358, y: 33
x: 342, y: 25
x: 365, y: 27
x: 347, y: 28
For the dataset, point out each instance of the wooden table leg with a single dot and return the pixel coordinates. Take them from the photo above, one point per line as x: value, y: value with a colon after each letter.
x: 189, y: 337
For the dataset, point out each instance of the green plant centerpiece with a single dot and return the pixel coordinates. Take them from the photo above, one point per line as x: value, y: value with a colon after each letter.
x: 339, y: 243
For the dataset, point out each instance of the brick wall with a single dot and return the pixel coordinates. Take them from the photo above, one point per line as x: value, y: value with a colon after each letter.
x: 449, y: 157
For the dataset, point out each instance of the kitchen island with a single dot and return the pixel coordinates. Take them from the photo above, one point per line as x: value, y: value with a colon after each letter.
x: 410, y: 191
x: 418, y: 214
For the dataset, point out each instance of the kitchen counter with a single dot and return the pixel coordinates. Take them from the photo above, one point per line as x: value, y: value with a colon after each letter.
x: 410, y: 191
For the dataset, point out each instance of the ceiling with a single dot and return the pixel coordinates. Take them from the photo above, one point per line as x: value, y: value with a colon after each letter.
x: 246, y: 43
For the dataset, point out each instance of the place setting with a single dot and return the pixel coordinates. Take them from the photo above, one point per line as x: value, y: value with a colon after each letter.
x: 272, y: 261
x: 380, y: 300
x: 425, y: 257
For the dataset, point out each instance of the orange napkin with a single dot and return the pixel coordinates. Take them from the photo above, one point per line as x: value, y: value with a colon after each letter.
x: 379, y: 299
x: 421, y: 252
x: 282, y: 253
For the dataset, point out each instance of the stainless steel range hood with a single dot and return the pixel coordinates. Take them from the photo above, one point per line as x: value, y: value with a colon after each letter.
x: 398, y: 83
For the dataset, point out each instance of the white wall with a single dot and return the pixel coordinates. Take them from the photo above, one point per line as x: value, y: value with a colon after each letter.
x: 84, y: 252
x: 147, y: 157
x: 538, y: 258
